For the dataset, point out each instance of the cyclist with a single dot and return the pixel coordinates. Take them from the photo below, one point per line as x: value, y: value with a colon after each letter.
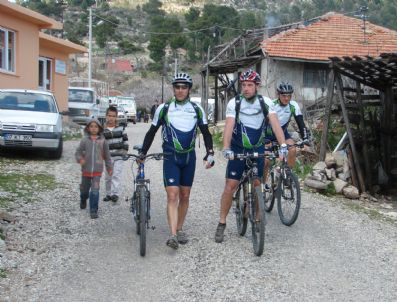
x: 285, y: 108
x: 244, y: 130
x: 180, y: 119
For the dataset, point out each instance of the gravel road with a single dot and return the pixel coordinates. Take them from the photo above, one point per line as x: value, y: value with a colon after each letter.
x: 55, y: 252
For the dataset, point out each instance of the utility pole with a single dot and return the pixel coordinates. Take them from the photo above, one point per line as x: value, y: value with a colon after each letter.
x: 176, y: 66
x: 90, y: 48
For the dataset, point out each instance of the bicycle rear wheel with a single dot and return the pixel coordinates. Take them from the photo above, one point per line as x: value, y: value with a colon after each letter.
x: 258, y: 221
x: 240, y: 210
x: 268, y: 191
x: 142, y: 219
x: 289, y: 198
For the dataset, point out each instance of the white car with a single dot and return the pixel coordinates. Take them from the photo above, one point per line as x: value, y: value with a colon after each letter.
x: 30, y: 119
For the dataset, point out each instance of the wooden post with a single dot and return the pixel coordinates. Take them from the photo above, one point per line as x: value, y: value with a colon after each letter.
x: 330, y: 95
x: 339, y: 89
x: 367, y: 164
x: 215, y: 113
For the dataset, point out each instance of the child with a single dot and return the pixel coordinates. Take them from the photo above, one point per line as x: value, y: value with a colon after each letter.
x: 91, y: 153
x: 117, y: 138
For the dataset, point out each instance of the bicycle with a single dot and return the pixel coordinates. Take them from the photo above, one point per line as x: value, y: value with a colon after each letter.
x: 249, y: 204
x: 140, y: 200
x: 282, y: 183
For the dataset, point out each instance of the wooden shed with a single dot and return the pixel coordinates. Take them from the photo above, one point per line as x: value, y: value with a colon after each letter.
x: 366, y: 94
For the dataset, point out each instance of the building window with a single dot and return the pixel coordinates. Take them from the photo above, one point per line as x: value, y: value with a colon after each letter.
x: 7, y: 50
x: 45, y: 73
x: 315, y: 76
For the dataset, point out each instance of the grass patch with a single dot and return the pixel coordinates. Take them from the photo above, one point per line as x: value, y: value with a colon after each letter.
x: 302, y: 170
x: 218, y: 140
x: 20, y: 185
x: 371, y: 213
x: 71, y: 136
x: 3, y: 273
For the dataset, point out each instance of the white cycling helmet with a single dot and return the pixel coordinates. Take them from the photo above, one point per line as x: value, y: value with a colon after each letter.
x: 182, y: 78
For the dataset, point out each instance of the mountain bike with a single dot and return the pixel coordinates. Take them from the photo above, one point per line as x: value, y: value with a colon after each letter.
x: 248, y: 203
x: 140, y: 200
x: 282, y: 184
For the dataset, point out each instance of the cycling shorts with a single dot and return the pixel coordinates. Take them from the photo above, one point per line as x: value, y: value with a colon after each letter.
x: 236, y: 167
x: 270, y: 135
x: 179, y: 168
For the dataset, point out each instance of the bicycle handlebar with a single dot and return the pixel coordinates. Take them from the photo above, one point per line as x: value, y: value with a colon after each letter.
x: 253, y: 155
x: 156, y: 156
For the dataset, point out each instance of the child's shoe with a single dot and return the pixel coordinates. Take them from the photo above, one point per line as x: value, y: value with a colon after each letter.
x: 83, y: 204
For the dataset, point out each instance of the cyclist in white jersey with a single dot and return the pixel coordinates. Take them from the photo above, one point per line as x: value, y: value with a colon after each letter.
x: 179, y: 119
x: 285, y: 108
x: 244, y: 133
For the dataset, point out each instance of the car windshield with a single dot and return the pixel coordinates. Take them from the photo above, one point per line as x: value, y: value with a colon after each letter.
x: 81, y: 96
x: 27, y: 101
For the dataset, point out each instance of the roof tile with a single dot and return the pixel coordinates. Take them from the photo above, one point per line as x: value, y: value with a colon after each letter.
x: 334, y: 35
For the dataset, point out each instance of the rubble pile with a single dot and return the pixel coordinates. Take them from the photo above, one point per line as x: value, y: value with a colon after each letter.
x: 334, y: 171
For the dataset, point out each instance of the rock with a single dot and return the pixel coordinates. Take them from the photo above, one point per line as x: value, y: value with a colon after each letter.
x: 316, y: 184
x: 339, y: 170
x: 320, y: 166
x: 317, y: 175
x: 331, y: 174
x: 330, y: 161
x: 339, y: 184
x: 344, y: 176
x: 6, y: 217
x: 340, y: 157
x: 351, y: 192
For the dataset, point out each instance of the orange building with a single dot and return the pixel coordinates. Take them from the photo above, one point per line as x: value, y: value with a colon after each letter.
x: 31, y: 59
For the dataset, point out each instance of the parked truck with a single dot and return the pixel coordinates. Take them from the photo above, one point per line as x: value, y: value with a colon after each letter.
x: 84, y: 105
x: 129, y: 105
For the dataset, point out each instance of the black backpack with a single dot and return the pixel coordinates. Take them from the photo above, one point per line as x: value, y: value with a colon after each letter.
x: 195, y: 106
x: 261, y: 102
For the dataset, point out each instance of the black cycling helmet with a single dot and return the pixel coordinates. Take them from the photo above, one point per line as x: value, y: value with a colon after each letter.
x: 182, y: 78
x: 285, y: 88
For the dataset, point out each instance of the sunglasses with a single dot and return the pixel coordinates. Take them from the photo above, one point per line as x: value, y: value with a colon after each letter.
x: 183, y: 87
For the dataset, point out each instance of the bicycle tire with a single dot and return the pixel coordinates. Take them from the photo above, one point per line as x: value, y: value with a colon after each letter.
x: 269, y: 196
x: 258, y: 227
x: 135, y: 216
x: 289, y: 199
x: 240, y: 209
x: 142, y: 220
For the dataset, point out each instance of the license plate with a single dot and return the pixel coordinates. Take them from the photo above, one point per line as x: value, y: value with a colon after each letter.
x: 18, y: 137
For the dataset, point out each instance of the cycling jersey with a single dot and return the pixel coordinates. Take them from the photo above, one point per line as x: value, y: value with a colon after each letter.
x: 285, y: 113
x: 179, y: 125
x: 249, y: 127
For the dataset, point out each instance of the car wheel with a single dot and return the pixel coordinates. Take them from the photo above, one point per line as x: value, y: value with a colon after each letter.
x: 57, y: 153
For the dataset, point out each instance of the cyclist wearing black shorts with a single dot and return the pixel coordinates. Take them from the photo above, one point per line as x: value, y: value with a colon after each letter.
x: 180, y: 119
x: 286, y: 108
x: 246, y: 116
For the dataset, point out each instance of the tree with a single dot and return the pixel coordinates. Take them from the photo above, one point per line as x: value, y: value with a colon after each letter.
x: 106, y: 31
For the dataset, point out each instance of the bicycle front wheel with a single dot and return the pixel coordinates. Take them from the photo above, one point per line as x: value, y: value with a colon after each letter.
x: 240, y: 211
x: 289, y: 198
x: 258, y: 221
x: 142, y: 219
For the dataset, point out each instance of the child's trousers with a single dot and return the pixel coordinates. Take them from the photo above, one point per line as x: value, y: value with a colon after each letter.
x: 89, y: 188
